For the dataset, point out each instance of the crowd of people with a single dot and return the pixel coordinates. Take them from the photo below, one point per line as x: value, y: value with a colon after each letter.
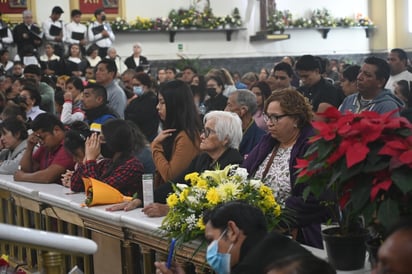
x: 66, y: 116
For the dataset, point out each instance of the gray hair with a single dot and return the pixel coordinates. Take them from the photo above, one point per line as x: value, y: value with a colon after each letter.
x: 246, y: 98
x: 27, y: 13
x: 227, y: 126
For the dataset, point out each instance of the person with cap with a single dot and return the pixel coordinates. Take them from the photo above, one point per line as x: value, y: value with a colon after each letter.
x: 27, y: 35
x: 101, y: 33
x: 54, y: 30
x: 76, y: 32
x: 6, y: 37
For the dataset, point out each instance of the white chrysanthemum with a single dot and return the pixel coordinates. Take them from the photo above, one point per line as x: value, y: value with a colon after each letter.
x: 192, y: 199
x: 191, y: 221
x: 181, y: 186
x: 242, y: 172
x: 255, y: 183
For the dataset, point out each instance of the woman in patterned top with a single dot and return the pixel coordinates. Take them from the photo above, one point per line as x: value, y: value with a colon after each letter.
x: 288, y: 116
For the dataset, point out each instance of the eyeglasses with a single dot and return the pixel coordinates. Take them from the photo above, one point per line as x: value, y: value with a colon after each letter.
x: 207, y: 131
x: 274, y: 118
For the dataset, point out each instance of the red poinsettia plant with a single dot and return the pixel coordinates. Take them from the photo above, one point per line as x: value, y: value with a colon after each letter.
x: 366, y: 161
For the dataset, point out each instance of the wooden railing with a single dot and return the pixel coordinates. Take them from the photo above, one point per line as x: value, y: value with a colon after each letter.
x: 51, y: 207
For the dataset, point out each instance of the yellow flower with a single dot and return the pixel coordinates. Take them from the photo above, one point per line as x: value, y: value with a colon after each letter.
x: 184, y: 194
x: 202, y: 183
x: 277, y: 210
x: 212, y: 196
x: 192, y: 177
x: 172, y: 200
x: 200, y: 224
x: 228, y: 190
x: 264, y: 190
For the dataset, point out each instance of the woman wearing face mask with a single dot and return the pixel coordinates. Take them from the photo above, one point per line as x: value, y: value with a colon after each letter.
x: 214, y: 89
x: 239, y: 241
x: 142, y: 109
x: 117, y: 143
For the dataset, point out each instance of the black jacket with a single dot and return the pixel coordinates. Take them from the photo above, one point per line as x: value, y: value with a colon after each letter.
x: 129, y: 62
x: 259, y: 251
x: 142, y: 111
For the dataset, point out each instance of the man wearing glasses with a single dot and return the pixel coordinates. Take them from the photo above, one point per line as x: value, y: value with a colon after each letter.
x: 47, y: 163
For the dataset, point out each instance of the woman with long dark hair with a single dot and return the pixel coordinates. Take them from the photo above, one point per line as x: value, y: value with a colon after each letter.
x: 117, y: 143
x: 178, y: 143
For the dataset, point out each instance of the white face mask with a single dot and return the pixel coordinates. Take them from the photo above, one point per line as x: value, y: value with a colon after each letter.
x: 219, y: 262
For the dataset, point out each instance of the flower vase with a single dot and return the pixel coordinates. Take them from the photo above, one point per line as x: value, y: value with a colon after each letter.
x: 345, y: 252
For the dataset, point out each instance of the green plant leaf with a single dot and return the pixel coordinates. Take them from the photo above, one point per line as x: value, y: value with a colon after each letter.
x: 388, y: 212
x: 360, y: 195
x: 401, y: 178
x: 369, y: 212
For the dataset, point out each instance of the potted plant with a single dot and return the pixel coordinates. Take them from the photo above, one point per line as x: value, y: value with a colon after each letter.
x: 365, y: 160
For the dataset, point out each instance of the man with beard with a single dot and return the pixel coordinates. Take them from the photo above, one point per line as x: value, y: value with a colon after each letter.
x: 371, y: 94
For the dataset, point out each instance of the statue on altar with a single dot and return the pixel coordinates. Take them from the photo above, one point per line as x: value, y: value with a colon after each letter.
x: 200, y: 5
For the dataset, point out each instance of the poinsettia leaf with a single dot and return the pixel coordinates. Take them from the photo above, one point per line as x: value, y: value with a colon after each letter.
x: 325, y: 149
x: 375, y: 164
x: 401, y: 178
x: 306, y: 193
x: 356, y: 153
x: 360, y: 195
x: 311, y: 149
x: 369, y: 213
x: 388, y: 212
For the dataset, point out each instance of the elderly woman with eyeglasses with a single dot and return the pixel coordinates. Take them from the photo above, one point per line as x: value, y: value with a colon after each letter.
x: 288, y: 116
x: 220, y: 140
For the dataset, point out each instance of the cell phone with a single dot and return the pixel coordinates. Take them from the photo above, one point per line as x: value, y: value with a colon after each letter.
x: 171, y: 251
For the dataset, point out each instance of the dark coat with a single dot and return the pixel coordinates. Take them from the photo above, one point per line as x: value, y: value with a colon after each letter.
x: 251, y: 137
x: 130, y: 64
x: 142, y: 111
x: 322, y: 92
x: 259, y: 251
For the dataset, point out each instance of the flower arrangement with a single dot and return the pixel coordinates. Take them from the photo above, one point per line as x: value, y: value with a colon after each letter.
x: 346, y: 22
x: 119, y: 24
x: 319, y: 18
x: 322, y: 18
x: 364, y: 21
x: 366, y: 161
x: 234, y: 20
x: 142, y: 23
x: 279, y: 20
x: 181, y: 18
x: 185, y: 218
x: 302, y: 23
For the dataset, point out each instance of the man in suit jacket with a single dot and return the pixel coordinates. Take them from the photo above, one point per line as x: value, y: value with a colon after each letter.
x: 27, y: 35
x: 137, y: 61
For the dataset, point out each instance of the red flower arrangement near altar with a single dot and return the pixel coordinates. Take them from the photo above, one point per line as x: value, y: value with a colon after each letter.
x: 366, y: 160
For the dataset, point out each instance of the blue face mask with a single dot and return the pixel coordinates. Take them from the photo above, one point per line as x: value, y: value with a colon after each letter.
x: 138, y: 90
x: 219, y: 262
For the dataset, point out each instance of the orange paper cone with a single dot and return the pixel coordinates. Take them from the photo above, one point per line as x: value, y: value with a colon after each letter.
x: 103, y: 193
